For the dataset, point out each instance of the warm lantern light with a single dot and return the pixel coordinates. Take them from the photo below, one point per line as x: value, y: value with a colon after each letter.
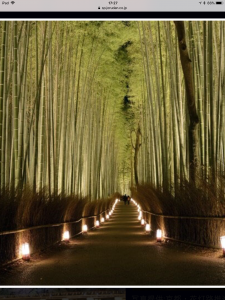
x: 110, y: 213
x: 222, y: 240
x: 85, y: 228
x: 97, y: 223
x: 25, y: 251
x: 66, y: 236
x: 147, y: 228
x: 107, y: 217
x: 142, y: 222
x: 139, y: 217
x: 102, y: 220
x: 159, y: 235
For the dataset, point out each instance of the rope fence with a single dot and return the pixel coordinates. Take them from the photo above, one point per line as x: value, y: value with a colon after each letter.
x: 185, y: 217
x: 50, y: 225
x: 204, y: 231
x: 40, y: 237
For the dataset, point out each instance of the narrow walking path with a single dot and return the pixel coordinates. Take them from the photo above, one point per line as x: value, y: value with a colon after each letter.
x: 118, y: 253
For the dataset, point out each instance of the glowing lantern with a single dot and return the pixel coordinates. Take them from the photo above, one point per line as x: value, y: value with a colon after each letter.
x: 159, y: 235
x: 107, y: 217
x: 97, y: 224
x: 102, y: 220
x: 85, y: 228
x: 147, y: 228
x: 66, y: 236
x: 142, y: 222
x: 222, y: 240
x: 139, y: 217
x: 110, y: 213
x: 25, y: 251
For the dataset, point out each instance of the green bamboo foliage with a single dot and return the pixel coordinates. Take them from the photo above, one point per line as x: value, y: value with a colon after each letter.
x: 15, y: 177
x: 165, y: 95
x: 73, y: 95
x: 2, y: 82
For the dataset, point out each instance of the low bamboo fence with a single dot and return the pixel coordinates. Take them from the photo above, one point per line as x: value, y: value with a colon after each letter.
x: 199, y: 231
x: 41, y: 237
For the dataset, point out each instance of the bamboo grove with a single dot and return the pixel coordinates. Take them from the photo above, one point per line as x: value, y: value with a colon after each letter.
x: 164, y: 157
x: 55, y: 133
x: 90, y: 108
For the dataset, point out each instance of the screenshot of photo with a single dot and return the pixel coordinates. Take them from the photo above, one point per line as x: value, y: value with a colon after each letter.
x: 112, y: 149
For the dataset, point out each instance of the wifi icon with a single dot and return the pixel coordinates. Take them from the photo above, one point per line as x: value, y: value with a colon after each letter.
x: 12, y: 2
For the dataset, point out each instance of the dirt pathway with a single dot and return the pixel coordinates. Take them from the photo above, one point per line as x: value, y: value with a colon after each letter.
x: 118, y: 253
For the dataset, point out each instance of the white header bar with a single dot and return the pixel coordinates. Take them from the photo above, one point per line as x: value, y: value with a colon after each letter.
x: 112, y: 6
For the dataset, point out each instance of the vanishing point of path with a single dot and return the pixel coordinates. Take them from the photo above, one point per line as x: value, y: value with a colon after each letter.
x: 118, y: 253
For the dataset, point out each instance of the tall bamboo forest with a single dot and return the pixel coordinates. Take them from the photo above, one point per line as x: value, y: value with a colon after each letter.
x: 91, y: 108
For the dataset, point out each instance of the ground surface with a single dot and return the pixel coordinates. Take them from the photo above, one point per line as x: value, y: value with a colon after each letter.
x: 119, y: 253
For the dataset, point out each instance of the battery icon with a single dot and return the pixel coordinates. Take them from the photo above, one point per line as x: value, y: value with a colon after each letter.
x: 219, y: 2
